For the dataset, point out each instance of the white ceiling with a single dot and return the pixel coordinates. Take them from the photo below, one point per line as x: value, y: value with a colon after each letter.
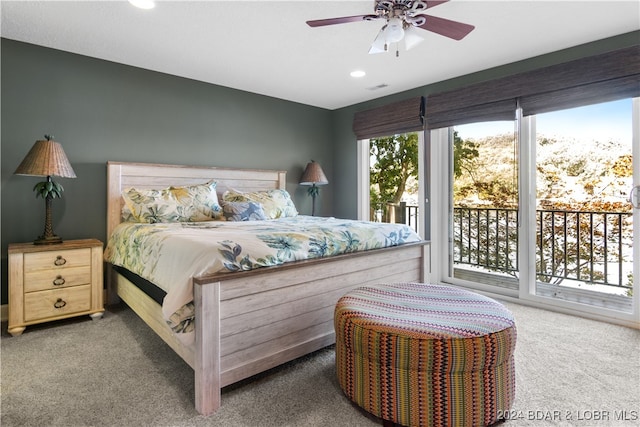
x: 266, y: 47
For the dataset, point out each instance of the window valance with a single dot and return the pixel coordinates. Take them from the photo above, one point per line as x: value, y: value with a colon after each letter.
x: 398, y: 117
x: 598, y: 78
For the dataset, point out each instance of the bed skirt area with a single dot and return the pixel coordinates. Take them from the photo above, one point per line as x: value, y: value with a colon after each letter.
x: 252, y: 321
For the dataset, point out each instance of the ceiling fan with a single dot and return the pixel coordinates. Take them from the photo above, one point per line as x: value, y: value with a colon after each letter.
x: 403, y: 18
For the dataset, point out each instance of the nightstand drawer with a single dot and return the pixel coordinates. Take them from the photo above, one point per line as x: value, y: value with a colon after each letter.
x: 40, y: 280
x: 58, y: 302
x: 57, y: 260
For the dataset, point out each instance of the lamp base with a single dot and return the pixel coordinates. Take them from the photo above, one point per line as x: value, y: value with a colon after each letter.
x: 48, y: 236
x: 49, y: 240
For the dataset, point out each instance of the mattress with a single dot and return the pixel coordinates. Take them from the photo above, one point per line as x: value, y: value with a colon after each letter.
x: 143, y: 284
x: 169, y: 255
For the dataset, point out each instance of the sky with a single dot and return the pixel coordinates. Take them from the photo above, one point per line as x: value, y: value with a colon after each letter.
x: 611, y: 120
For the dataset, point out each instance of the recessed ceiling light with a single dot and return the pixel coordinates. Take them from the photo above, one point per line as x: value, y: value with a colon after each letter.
x: 143, y: 4
x: 358, y: 73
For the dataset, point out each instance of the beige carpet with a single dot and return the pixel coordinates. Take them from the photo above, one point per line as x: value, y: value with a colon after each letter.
x: 116, y: 372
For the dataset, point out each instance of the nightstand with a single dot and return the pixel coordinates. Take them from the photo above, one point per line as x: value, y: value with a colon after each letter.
x: 51, y: 282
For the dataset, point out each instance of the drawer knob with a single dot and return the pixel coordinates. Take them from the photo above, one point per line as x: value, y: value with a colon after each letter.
x: 58, y: 281
x: 60, y: 260
x: 59, y: 303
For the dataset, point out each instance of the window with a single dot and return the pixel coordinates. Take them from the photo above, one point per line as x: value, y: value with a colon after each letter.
x: 393, y: 123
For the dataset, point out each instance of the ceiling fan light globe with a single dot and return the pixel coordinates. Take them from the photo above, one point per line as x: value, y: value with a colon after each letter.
x: 393, y: 31
x: 379, y: 44
x: 143, y: 4
x: 411, y: 38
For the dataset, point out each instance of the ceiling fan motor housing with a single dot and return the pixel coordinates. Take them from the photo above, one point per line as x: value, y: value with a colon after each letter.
x: 409, y: 11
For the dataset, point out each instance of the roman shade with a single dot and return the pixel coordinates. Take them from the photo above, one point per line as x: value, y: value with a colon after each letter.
x: 577, y: 96
x: 398, y: 117
x: 599, y: 78
x: 473, y: 113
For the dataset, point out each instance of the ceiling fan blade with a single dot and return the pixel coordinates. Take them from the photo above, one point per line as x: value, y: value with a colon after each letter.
x: 435, y: 3
x: 445, y: 27
x: 343, y: 20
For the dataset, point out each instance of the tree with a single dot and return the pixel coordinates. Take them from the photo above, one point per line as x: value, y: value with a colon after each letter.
x: 465, y: 152
x: 395, y: 166
x: 485, y: 176
x: 395, y: 162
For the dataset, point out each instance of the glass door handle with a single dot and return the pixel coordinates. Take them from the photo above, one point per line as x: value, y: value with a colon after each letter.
x: 634, y: 197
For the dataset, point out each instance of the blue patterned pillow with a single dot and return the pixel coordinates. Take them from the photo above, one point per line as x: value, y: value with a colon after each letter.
x: 243, y: 211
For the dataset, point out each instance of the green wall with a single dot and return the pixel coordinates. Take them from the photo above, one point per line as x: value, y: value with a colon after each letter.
x: 102, y: 111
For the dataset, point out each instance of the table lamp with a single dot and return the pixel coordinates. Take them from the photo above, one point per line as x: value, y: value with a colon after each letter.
x: 313, y: 176
x: 47, y: 158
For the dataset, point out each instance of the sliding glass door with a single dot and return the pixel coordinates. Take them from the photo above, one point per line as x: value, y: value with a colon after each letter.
x: 539, y: 208
x: 484, y: 204
x: 583, y: 175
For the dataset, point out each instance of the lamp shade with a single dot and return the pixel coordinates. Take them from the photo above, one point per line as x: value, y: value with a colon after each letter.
x: 46, y: 158
x: 313, y: 174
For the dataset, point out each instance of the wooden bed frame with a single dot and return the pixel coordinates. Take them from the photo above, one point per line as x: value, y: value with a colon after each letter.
x: 251, y: 321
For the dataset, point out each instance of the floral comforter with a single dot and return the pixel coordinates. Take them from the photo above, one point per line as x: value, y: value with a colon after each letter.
x: 170, y: 254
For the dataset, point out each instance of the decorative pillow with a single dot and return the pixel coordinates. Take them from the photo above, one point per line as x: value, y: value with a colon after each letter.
x: 200, y: 202
x: 276, y: 203
x: 150, y: 205
x: 127, y: 216
x: 174, y: 204
x: 243, y: 211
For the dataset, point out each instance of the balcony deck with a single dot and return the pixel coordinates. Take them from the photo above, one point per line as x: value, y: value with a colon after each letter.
x: 583, y: 296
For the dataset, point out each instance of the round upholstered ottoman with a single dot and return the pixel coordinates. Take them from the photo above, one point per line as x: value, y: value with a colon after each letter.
x: 426, y: 355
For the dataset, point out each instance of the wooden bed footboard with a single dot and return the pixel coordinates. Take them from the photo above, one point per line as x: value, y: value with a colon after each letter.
x: 249, y: 322
x: 263, y: 318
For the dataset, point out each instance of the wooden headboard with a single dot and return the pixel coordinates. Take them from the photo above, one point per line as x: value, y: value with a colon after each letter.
x: 123, y: 175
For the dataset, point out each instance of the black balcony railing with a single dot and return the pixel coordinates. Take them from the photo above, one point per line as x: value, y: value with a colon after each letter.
x: 486, y: 238
x: 399, y: 213
x: 590, y: 247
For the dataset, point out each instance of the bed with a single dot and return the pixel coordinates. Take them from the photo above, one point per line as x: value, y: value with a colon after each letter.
x: 249, y: 321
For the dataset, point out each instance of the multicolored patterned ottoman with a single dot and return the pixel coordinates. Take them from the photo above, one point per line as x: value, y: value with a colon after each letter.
x: 426, y: 355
